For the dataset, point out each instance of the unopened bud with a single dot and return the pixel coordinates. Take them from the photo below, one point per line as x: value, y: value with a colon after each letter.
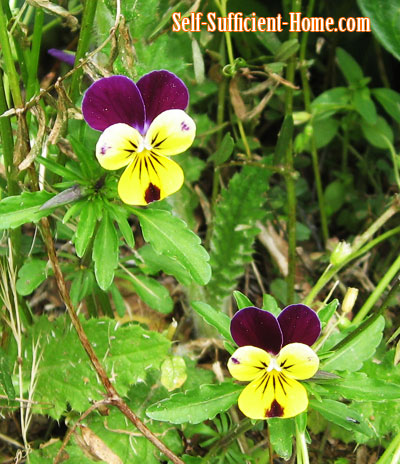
x: 340, y: 253
x: 349, y: 300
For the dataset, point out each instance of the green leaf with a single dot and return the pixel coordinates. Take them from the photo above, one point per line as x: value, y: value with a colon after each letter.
x: 173, y: 373
x: 359, y: 348
x: 154, y: 263
x: 196, y: 405
x: 324, y: 131
x: 334, y: 196
x: 105, y: 253
x: 235, y: 229
x: 5, y: 376
x: 151, y: 292
x: 58, y: 169
x: 83, y: 283
x: 85, y: 229
x: 349, y: 66
x: 170, y: 236
x: 384, y: 16
x: 65, y: 374
x: 358, y: 386
x: 270, y: 304
x: 364, y: 105
x: 331, y: 100
x: 224, y: 151
x: 119, y: 215
x: 241, y: 300
x: 20, y: 209
x: 328, y: 311
x: 217, y: 319
x: 30, y: 276
x: 342, y: 415
x: 379, y: 134
x: 118, y: 300
x: 86, y: 156
x: 390, y: 100
x: 287, y: 49
x: 281, y: 433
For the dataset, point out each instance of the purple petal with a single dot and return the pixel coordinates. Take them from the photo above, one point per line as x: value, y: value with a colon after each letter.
x: 299, y: 324
x: 256, y: 327
x: 113, y: 100
x: 68, y: 58
x: 161, y: 91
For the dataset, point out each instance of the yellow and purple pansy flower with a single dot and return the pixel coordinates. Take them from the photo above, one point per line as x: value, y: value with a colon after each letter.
x: 273, y: 354
x: 143, y: 124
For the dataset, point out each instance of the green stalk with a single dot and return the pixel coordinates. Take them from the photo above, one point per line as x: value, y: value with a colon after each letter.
x: 380, y: 288
x: 34, y: 55
x: 357, y: 250
x: 307, y: 106
x: 9, y: 64
x: 392, y: 453
x: 290, y: 182
x: 83, y: 44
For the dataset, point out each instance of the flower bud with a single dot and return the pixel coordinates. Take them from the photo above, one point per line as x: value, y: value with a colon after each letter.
x: 349, y: 300
x: 340, y: 253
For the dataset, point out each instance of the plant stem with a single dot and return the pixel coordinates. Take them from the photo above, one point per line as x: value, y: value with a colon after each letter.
x: 83, y: 44
x: 392, y: 453
x: 34, y: 55
x: 9, y: 64
x: 301, y: 447
x: 380, y: 288
x: 307, y: 106
x: 290, y: 182
x: 359, y: 241
x: 113, y: 397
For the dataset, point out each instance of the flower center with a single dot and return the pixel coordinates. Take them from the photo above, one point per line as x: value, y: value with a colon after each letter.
x: 143, y: 146
x: 274, y: 366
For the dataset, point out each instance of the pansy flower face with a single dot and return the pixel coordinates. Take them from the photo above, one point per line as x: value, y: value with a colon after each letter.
x: 143, y: 124
x: 273, y: 354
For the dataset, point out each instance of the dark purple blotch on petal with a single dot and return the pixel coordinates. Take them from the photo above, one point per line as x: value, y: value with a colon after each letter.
x: 162, y: 91
x: 256, y: 327
x: 276, y: 410
x: 235, y: 361
x: 113, y: 100
x: 152, y: 193
x: 299, y: 324
x: 68, y: 58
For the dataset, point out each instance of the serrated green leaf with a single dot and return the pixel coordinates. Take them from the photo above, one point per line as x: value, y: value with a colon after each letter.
x: 384, y: 15
x: 224, y: 151
x: 65, y: 374
x: 234, y: 231
x: 217, y: 319
x: 30, y: 276
x: 361, y: 347
x: 154, y: 263
x: 358, y: 386
x: 170, y: 236
x: 241, y: 300
x: 85, y: 229
x: 20, y: 209
x: 281, y: 432
x: 342, y: 415
x: 151, y: 292
x: 390, y: 100
x: 105, y: 253
x: 349, y: 66
x: 196, y: 405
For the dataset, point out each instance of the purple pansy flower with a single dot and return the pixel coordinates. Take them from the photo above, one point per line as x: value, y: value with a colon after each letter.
x: 143, y: 124
x: 68, y: 58
x: 274, y: 352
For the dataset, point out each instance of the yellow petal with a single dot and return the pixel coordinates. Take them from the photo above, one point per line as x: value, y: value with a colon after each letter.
x: 298, y: 361
x: 170, y: 133
x: 272, y: 394
x: 149, y: 178
x: 117, y: 146
x: 247, y: 362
